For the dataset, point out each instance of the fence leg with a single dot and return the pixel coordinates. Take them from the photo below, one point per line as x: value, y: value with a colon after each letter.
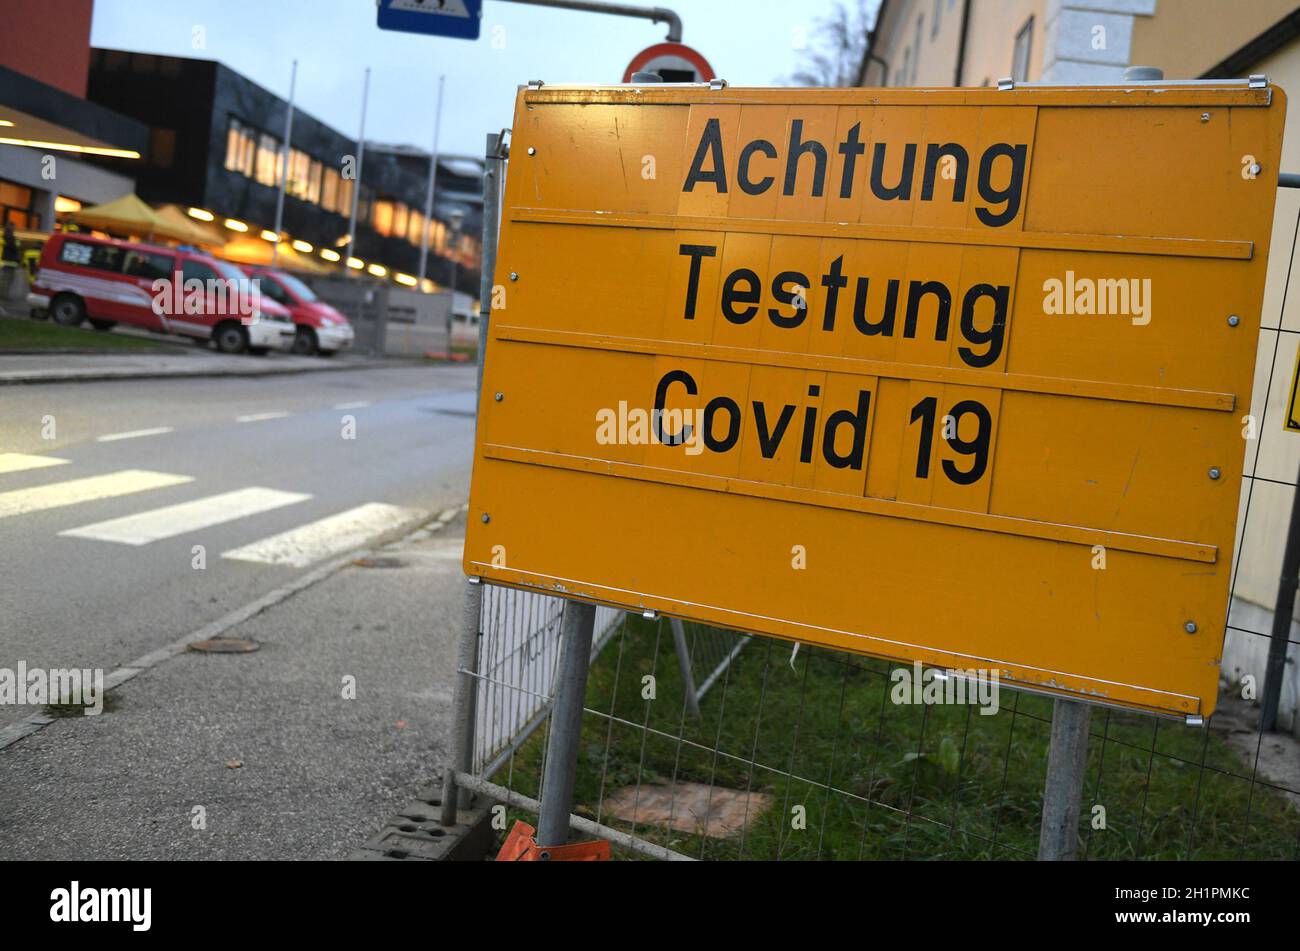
x: 1066, y: 762
x: 684, y: 662
x: 566, y: 724
x: 1275, y: 667
x: 462, y: 707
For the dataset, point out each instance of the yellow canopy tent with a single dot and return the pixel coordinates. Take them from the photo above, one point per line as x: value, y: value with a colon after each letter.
x: 200, y: 233
x: 252, y: 250
x: 130, y: 216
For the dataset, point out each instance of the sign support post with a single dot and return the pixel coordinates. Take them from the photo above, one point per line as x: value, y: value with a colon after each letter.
x: 1066, y: 762
x: 465, y: 690
x: 566, y: 724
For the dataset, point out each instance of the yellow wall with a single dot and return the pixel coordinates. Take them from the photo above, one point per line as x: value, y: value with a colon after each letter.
x: 1187, y: 37
x: 990, y: 43
x: 989, y: 47
x: 1278, y: 451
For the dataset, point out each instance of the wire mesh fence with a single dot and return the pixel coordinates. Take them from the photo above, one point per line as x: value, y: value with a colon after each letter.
x: 813, y: 756
x: 519, y: 648
x: 691, y: 746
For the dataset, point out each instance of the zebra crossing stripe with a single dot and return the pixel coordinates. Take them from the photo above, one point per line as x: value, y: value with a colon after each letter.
x: 171, y: 520
x: 21, y: 462
x: 88, y: 489
x: 309, y: 543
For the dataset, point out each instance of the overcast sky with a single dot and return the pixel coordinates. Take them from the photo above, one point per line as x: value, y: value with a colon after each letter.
x: 748, y: 42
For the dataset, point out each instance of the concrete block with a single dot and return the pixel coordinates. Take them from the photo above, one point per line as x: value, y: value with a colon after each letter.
x: 416, y: 834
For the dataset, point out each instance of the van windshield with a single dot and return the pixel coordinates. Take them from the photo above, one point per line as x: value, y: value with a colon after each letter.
x: 302, y: 291
x: 229, y: 271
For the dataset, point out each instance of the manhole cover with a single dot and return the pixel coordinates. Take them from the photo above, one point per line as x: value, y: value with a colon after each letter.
x: 384, y: 561
x: 225, y: 645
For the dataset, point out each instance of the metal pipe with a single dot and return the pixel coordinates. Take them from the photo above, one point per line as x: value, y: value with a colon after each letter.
x: 494, y: 164
x: 462, y: 705
x: 284, y: 167
x: 579, y: 625
x: 1058, y: 838
x: 1288, y: 180
x: 1275, y: 666
x: 684, y: 662
x: 428, y: 195
x: 356, y: 184
x: 654, y: 14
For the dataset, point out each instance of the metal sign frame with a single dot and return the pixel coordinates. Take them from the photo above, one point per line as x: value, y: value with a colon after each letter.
x: 1074, y: 532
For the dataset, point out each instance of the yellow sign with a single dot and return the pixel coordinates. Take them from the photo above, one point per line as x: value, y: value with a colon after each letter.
x: 933, y: 375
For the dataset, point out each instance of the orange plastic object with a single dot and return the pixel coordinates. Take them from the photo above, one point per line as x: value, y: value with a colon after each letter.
x: 521, y: 846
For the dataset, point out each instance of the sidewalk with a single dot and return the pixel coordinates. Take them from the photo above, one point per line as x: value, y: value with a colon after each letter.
x: 282, y: 765
x: 46, y: 367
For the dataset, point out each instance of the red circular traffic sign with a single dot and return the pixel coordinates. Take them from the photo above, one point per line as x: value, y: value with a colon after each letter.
x: 676, y: 62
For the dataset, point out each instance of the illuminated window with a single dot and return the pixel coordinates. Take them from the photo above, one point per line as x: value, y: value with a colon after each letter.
x: 382, y: 218
x: 268, y: 160
x: 401, y: 219
x: 313, y: 182
x: 415, y: 231
x: 299, y: 174
x: 239, y: 148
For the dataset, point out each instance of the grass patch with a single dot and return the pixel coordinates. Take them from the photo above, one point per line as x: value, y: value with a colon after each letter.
x: 18, y: 333
x: 907, y: 782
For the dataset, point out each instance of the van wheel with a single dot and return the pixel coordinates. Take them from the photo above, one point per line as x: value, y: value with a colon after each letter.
x: 67, y: 310
x: 231, y: 337
x: 103, y: 324
x: 304, y: 342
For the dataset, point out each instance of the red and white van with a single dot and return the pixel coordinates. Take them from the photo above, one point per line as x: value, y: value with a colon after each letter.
x: 320, y: 328
x: 167, y: 290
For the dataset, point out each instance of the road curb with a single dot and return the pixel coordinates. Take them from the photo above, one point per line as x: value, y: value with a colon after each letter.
x: 100, y: 376
x: 413, y: 531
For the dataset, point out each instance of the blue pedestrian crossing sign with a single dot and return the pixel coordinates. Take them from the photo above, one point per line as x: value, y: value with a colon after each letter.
x: 456, y: 18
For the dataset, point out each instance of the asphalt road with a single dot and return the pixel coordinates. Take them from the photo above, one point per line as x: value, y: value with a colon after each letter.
x: 261, y: 457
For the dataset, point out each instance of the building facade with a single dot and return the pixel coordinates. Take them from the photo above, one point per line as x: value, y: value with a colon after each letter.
x: 978, y: 42
x: 48, y: 129
x: 215, y: 147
